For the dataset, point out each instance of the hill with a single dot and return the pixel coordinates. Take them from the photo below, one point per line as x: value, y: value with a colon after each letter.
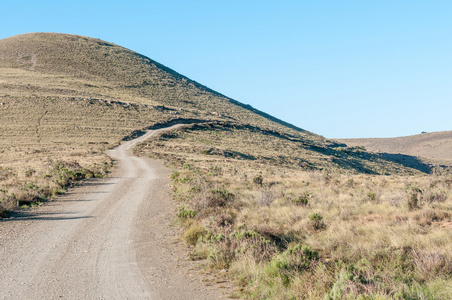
x: 284, y: 212
x: 53, y: 64
x: 59, y: 88
x: 436, y: 146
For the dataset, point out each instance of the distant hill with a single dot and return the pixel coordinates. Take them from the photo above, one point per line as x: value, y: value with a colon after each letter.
x: 61, y: 92
x: 435, y: 145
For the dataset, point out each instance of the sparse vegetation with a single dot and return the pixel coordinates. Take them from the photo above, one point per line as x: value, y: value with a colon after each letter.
x: 185, y: 214
x: 302, y: 200
x: 287, y: 213
x: 194, y: 233
x: 39, y: 186
x: 292, y: 233
x: 56, y: 103
x: 433, y: 145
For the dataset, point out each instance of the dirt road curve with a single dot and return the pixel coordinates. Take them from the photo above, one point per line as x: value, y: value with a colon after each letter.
x: 110, y: 238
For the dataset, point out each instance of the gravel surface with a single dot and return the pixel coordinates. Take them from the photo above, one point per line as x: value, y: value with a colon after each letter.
x: 110, y: 238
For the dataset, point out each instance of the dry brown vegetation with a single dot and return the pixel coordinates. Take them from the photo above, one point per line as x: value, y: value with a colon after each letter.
x: 67, y: 98
x: 39, y: 133
x: 436, y: 146
x: 266, y: 146
x: 315, y: 228
x: 52, y: 64
x: 283, y: 212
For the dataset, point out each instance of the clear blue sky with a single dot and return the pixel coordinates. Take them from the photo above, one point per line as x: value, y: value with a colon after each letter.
x: 337, y: 68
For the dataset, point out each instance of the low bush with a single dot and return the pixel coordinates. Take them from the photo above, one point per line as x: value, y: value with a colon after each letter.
x: 258, y: 179
x: 184, y: 214
x: 302, y: 200
x: 194, y: 233
x: 372, y: 197
x: 414, y: 197
x: 65, y: 173
x: 435, y: 196
x: 219, y: 198
x: 316, y: 221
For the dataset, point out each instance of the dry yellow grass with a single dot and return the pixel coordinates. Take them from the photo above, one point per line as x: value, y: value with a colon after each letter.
x: 220, y: 139
x: 37, y: 132
x: 68, y: 97
x: 284, y: 232
x: 287, y: 212
x: 51, y: 64
x: 436, y: 146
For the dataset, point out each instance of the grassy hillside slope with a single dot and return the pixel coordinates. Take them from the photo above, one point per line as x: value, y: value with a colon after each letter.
x: 70, y: 65
x: 69, y: 97
x: 249, y: 207
x: 434, y: 145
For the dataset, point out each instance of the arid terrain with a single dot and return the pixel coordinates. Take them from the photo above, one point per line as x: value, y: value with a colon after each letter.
x: 434, y: 145
x: 267, y: 209
x: 287, y: 233
x: 110, y: 238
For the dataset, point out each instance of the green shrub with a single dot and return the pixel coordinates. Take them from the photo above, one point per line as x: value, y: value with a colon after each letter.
x: 195, y: 189
x: 219, y: 197
x: 174, y: 175
x: 259, y: 180
x: 194, y: 233
x: 217, y: 237
x: 315, y: 217
x: 296, y: 259
x: 316, y: 220
x: 371, y: 196
x: 339, y: 288
x: 30, y: 187
x: 29, y: 172
x: 302, y: 200
x: 205, y: 152
x: 65, y: 173
x: 183, y: 179
x: 184, y: 214
x: 247, y: 234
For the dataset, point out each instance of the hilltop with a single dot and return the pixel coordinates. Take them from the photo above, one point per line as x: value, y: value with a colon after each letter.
x: 53, y: 64
x: 79, y: 91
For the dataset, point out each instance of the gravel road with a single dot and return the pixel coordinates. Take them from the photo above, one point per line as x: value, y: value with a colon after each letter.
x: 109, y: 238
